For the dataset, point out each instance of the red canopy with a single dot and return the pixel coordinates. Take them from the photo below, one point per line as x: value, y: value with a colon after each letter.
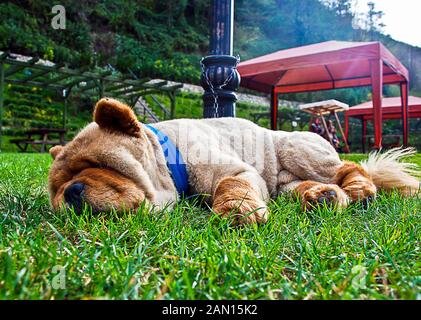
x: 324, y: 66
x: 391, y: 110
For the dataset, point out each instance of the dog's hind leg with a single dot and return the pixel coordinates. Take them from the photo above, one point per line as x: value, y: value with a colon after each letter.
x: 312, y: 194
x: 356, y: 182
x: 311, y: 159
x: 351, y: 183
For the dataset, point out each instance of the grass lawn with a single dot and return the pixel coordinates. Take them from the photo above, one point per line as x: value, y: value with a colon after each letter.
x: 189, y: 254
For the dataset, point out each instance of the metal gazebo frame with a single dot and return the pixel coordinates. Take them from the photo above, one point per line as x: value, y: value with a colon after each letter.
x: 326, y: 66
x: 58, y: 77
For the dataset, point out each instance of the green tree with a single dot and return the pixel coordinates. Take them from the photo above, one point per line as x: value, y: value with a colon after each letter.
x: 374, y: 22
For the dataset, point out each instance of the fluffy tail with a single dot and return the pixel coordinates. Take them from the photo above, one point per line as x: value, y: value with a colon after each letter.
x: 388, y: 172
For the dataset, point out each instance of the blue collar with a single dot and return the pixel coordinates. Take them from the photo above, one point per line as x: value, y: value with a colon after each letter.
x: 175, y: 161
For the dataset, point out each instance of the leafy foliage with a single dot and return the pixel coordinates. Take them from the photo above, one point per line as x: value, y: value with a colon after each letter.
x: 167, y: 38
x: 151, y: 38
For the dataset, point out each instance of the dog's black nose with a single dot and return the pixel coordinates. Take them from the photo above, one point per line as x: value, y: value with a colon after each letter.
x: 74, y: 194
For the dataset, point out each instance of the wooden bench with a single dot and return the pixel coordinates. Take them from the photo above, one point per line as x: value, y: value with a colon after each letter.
x: 42, y: 139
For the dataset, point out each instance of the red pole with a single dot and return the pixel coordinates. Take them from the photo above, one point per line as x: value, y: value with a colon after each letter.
x: 405, y: 125
x: 377, y: 91
x: 364, y: 134
x: 274, y: 109
x: 346, y: 126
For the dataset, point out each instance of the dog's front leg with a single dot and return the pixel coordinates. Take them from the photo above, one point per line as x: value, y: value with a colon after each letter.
x: 241, y: 197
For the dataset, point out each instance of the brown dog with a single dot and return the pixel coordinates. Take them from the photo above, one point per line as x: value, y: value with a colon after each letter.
x: 117, y: 162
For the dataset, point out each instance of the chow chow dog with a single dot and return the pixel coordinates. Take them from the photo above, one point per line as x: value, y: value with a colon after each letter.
x: 117, y: 163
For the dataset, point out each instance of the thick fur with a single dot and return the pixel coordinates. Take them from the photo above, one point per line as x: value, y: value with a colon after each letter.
x: 238, y: 165
x: 388, y: 171
x: 355, y: 181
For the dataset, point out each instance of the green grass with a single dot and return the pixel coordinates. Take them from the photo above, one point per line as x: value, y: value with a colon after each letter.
x: 187, y: 253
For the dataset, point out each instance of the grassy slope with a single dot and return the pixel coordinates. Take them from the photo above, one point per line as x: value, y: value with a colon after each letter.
x: 189, y: 254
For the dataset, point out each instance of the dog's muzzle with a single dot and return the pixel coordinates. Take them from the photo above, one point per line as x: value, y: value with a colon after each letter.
x: 73, y: 195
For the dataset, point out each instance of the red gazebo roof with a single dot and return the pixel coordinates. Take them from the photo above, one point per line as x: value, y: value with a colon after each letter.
x: 392, y: 108
x: 320, y: 66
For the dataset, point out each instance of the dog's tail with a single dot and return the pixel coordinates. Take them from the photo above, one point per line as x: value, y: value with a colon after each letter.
x: 388, y: 172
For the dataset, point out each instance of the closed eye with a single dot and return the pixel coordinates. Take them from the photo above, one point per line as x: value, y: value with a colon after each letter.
x: 82, y: 164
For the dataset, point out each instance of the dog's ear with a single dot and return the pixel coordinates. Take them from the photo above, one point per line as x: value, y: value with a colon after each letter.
x: 54, y: 151
x: 116, y: 116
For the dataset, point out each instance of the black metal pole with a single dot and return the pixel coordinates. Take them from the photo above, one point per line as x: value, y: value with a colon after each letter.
x: 220, y: 78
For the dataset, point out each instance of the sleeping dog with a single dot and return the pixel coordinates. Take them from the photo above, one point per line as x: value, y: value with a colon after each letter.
x: 116, y: 162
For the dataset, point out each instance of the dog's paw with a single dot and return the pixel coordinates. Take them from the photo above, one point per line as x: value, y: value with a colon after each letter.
x: 242, y: 211
x: 361, y: 191
x: 325, y: 194
x: 237, y: 200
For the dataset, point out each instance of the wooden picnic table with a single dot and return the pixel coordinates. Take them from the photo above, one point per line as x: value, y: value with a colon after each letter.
x: 39, y: 139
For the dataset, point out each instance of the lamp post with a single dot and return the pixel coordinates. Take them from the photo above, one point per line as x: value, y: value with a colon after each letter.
x: 220, y: 78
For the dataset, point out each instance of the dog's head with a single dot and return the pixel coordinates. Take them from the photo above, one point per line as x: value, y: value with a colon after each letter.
x: 112, y: 163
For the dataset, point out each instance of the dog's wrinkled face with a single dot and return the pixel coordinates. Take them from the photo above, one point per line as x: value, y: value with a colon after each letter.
x: 101, y: 166
x: 101, y: 188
